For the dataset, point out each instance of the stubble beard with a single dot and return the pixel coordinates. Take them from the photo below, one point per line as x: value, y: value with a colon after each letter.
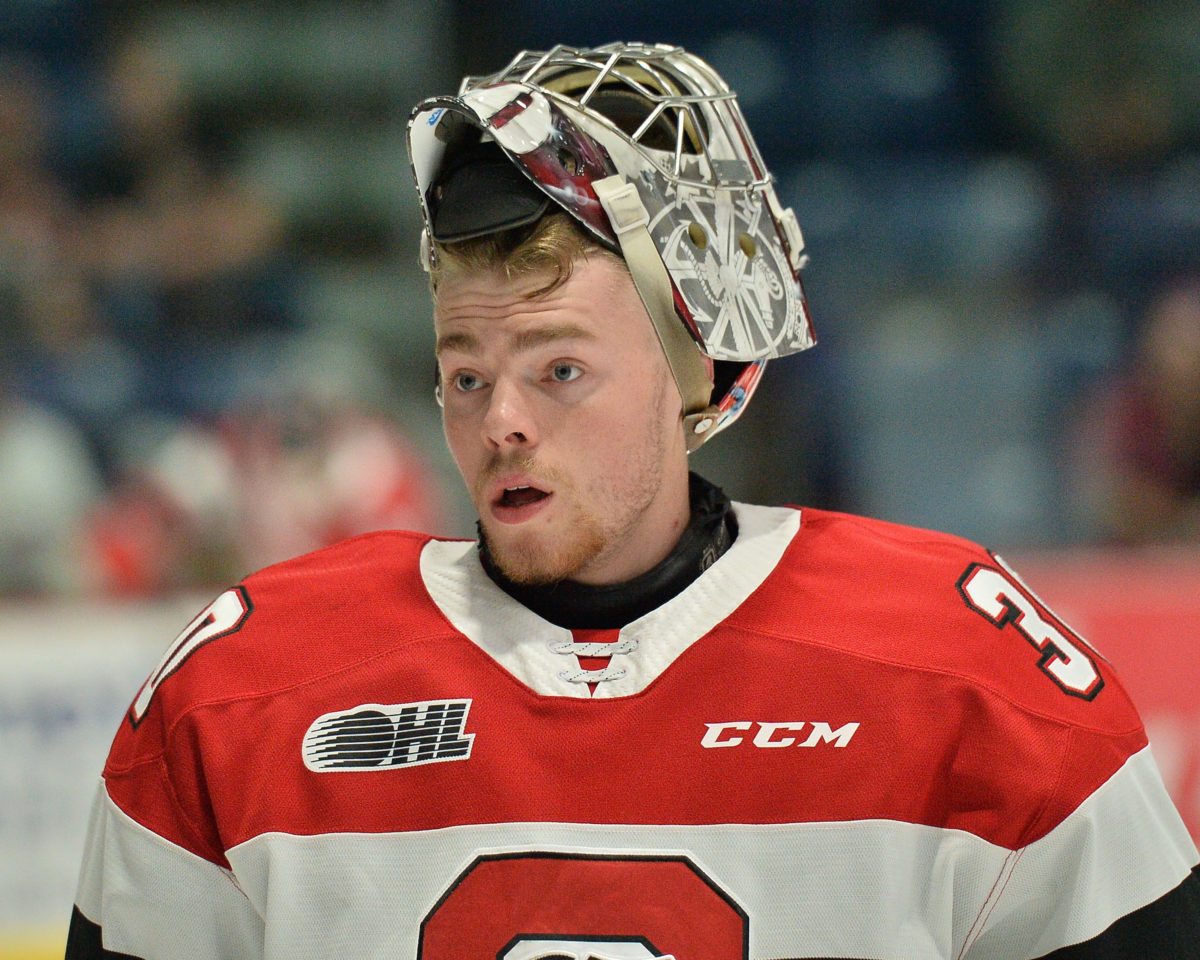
x: 534, y: 558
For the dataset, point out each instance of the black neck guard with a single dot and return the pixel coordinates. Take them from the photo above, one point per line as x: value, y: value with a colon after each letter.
x: 585, y: 607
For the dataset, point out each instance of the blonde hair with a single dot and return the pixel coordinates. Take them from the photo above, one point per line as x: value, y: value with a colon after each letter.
x: 553, y: 245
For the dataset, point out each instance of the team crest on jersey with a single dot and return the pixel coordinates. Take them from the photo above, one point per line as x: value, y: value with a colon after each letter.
x: 543, y: 905
x: 376, y: 736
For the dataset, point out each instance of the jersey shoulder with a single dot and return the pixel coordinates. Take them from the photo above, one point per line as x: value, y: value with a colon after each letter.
x: 293, y: 622
x: 914, y: 599
x: 368, y: 564
x: 870, y: 538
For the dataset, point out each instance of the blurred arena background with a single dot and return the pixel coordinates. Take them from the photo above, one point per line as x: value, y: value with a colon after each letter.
x: 215, y: 348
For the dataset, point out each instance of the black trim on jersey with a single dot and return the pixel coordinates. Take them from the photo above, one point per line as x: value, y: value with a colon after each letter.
x: 579, y: 606
x: 1167, y: 929
x: 85, y: 941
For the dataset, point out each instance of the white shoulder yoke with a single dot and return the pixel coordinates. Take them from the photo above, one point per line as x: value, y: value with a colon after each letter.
x: 524, y: 644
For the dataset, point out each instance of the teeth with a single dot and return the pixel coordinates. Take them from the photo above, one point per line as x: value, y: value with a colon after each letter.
x: 526, y: 487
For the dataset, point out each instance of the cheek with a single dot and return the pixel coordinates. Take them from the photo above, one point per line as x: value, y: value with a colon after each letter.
x: 636, y: 429
x: 457, y: 433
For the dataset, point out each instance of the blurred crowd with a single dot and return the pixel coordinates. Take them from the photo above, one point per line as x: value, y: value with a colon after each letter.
x: 161, y: 426
x: 166, y: 422
x: 1138, y: 438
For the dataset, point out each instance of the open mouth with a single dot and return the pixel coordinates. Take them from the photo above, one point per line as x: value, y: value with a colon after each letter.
x: 521, y: 496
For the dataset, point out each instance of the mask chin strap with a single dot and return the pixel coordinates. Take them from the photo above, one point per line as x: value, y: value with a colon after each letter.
x: 629, y: 220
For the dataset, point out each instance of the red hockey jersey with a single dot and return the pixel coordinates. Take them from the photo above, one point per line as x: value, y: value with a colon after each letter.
x: 844, y: 739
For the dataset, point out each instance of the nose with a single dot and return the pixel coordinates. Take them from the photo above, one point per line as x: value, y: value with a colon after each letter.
x: 509, y: 421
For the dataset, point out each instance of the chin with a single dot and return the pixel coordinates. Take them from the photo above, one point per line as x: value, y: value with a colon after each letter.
x: 543, y: 559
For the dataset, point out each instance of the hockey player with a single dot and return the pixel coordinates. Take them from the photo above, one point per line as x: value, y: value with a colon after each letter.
x: 634, y: 719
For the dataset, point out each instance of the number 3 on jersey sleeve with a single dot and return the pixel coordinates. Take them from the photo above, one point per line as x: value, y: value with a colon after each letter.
x: 223, y: 616
x: 996, y: 596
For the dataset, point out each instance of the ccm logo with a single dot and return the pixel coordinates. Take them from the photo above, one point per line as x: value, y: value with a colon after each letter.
x: 776, y: 734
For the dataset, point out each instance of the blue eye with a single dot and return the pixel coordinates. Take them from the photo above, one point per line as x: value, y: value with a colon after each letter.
x: 466, y: 382
x: 565, y: 372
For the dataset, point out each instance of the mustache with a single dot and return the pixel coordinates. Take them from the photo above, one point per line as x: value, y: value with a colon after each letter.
x: 499, y: 464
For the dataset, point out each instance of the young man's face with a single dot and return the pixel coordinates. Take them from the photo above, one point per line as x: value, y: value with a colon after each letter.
x: 565, y: 423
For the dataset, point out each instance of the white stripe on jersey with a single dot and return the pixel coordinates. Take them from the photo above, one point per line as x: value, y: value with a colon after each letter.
x: 156, y: 900
x: 867, y: 888
x: 1142, y: 851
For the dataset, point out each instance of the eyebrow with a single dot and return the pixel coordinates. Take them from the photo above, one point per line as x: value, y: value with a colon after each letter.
x: 519, y: 342
x: 458, y: 342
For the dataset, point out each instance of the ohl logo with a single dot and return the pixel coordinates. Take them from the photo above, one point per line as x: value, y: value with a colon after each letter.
x: 377, y: 737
